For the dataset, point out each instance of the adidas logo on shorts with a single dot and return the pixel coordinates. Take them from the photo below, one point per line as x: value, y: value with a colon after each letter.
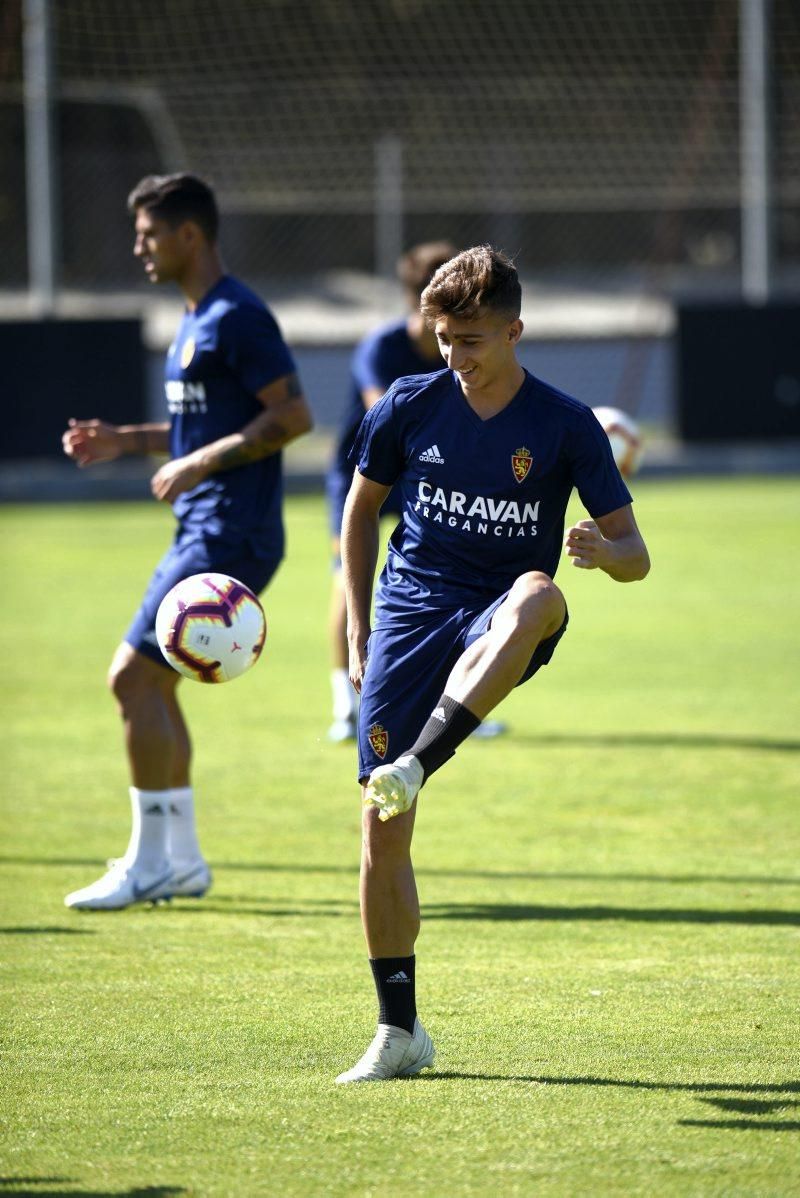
x: 432, y: 455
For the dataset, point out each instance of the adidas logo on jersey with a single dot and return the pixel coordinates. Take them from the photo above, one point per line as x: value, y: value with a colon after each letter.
x: 432, y: 455
x: 400, y: 976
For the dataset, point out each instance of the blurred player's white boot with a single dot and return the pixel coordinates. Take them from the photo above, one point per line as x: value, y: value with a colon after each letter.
x: 144, y: 873
x: 191, y: 876
x: 393, y: 1053
x: 345, y: 708
x: 121, y: 887
x: 489, y: 729
x: 393, y: 788
x: 189, y: 880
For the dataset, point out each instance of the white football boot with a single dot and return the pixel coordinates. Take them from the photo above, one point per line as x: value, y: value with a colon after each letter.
x: 189, y: 879
x: 393, y: 788
x: 393, y: 1053
x: 121, y: 887
x: 343, y: 730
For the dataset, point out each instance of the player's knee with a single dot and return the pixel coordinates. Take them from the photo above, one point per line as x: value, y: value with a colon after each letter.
x: 538, y: 603
x: 127, y: 681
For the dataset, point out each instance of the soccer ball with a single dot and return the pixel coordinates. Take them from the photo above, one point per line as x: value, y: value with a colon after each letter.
x: 211, y: 628
x: 626, y: 440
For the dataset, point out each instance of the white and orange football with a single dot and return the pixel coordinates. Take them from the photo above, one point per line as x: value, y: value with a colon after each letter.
x: 211, y: 627
x: 626, y: 440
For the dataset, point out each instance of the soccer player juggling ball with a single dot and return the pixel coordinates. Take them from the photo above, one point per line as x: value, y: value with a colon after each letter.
x: 485, y: 456
x: 234, y: 401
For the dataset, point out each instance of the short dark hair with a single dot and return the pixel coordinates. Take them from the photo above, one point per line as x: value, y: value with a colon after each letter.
x: 478, y: 280
x: 175, y: 199
x: 417, y: 266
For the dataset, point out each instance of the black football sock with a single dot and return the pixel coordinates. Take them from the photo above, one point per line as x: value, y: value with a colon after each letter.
x: 394, y: 982
x: 449, y: 724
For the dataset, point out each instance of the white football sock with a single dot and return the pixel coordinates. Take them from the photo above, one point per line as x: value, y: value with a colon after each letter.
x: 183, y: 844
x: 345, y: 699
x: 147, y: 847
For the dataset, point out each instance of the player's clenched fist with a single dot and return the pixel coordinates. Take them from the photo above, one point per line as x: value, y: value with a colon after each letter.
x: 90, y: 441
x: 586, y: 545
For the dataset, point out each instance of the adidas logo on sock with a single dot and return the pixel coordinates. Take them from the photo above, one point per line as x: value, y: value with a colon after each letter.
x: 439, y: 714
x: 432, y: 455
x: 155, y: 809
x: 400, y: 976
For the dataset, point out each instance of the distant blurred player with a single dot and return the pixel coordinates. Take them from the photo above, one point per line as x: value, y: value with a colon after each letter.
x: 402, y: 347
x: 485, y: 457
x: 234, y: 400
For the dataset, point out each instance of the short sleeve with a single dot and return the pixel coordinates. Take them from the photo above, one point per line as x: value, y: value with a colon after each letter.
x: 377, y: 451
x: 253, y: 348
x: 594, y: 470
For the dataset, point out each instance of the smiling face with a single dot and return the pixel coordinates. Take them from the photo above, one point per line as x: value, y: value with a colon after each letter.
x: 164, y: 251
x: 482, y: 351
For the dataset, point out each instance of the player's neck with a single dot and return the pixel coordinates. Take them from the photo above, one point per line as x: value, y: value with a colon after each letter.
x: 203, y: 274
x: 489, y: 398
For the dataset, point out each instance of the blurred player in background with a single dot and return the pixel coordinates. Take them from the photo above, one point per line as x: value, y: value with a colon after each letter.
x: 234, y: 400
x: 402, y: 347
x: 485, y: 457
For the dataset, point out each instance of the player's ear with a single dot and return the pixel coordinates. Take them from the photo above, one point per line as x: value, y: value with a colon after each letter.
x: 191, y: 234
x: 515, y: 331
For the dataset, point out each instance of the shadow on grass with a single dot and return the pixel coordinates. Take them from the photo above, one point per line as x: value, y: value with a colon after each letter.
x: 36, y: 1186
x: 661, y: 740
x: 338, y: 909
x: 741, y: 1124
x: 754, y: 1107
x: 750, y: 1106
x: 788, y: 1087
x: 34, y: 931
x: 533, y: 875
x: 524, y: 911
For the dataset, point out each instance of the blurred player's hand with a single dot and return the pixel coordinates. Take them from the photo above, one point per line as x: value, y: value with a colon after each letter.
x: 175, y: 477
x: 358, y: 660
x: 88, y: 441
x: 586, y: 546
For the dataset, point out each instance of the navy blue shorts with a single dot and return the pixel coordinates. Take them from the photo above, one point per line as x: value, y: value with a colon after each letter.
x: 194, y: 555
x: 337, y: 484
x: 407, y: 669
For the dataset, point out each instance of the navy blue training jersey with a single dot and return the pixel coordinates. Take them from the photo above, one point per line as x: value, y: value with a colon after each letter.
x: 383, y: 356
x: 483, y: 501
x: 225, y: 351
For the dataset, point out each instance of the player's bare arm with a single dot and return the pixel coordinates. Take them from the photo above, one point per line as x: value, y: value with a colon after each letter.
x: 612, y: 543
x: 360, y: 525
x: 286, y: 416
x: 90, y: 441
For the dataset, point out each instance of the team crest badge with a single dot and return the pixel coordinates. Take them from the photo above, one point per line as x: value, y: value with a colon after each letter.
x: 521, y: 462
x: 379, y: 739
x: 187, y: 353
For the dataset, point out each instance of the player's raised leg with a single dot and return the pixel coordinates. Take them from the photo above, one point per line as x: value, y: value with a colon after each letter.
x: 488, y: 670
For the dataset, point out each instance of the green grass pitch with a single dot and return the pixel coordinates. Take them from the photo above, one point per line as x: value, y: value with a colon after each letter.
x: 610, y: 952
